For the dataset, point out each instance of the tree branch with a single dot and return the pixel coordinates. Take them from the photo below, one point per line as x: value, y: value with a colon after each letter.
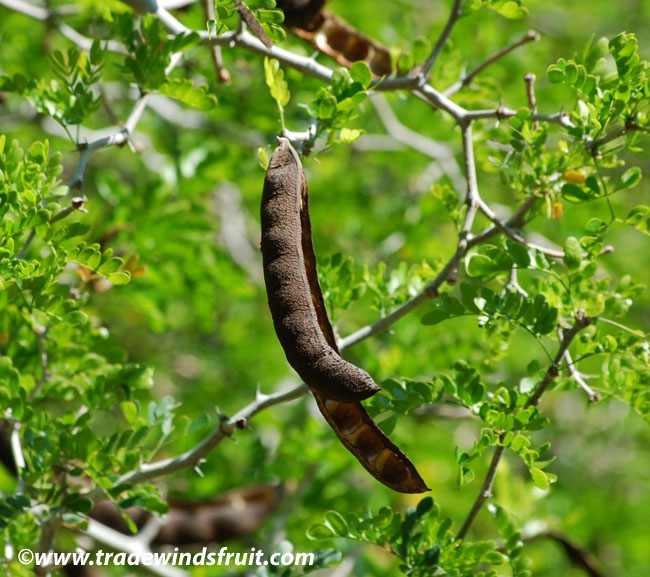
x: 530, y: 36
x: 223, y: 76
x: 118, y: 138
x: 431, y: 290
x: 529, y: 79
x: 616, y: 133
x: 449, y: 270
x: 581, y: 321
x: 455, y: 14
x: 417, y: 141
x: 193, y: 457
x: 484, y: 494
x: 308, y: 66
x: 561, y: 118
x: 577, y: 554
x: 76, y: 204
x: 129, y: 544
x: 48, y: 15
x: 514, y: 234
x: 49, y: 528
x: 592, y: 395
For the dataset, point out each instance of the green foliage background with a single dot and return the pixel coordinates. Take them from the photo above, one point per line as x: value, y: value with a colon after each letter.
x: 195, y: 326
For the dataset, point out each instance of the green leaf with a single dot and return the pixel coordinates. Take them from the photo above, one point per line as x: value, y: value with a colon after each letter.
x: 554, y: 74
x: 341, y: 80
x: 596, y: 226
x: 337, y: 523
x: 81, y: 505
x: 360, y: 72
x: 185, y: 91
x: 184, y: 41
x: 274, y: 77
x: 327, y: 108
x: 639, y: 218
x: 574, y: 193
x: 572, y: 253
x: 320, y: 531
x: 539, y: 478
x: 271, y: 16
x: 76, y: 319
x: 479, y: 264
x: 494, y: 558
x: 120, y: 277
x: 631, y: 177
x: 257, y: 4
x: 263, y: 157
x: 349, y: 135
x: 512, y: 10
x: 519, y: 253
x: 434, y: 317
x: 130, y: 410
x: 74, y: 519
x: 424, y: 506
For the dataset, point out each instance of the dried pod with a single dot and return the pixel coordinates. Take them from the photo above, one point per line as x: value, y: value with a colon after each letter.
x: 334, y: 36
x: 304, y: 330
x: 300, y: 13
x: 289, y: 291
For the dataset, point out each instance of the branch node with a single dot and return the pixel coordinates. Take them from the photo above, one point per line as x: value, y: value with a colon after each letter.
x: 533, y: 35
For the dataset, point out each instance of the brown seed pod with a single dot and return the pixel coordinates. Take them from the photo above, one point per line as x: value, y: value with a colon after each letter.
x: 289, y: 292
x: 334, y: 36
x: 304, y: 330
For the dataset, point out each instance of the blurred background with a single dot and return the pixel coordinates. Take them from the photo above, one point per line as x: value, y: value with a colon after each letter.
x: 186, y: 205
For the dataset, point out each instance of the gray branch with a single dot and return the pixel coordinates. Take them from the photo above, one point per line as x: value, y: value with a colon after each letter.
x: 454, y: 15
x: 194, y: 456
x: 581, y: 321
x: 466, y: 80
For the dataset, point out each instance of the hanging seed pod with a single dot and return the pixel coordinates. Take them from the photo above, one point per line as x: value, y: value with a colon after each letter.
x: 304, y: 330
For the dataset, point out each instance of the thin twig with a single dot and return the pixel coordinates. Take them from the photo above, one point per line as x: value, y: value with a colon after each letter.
x: 466, y: 80
x: 193, y: 457
x: 616, y: 133
x: 581, y: 321
x: 431, y: 290
x: 77, y: 203
x: 223, y: 76
x: 515, y: 235
x: 561, y: 118
x: 592, y: 395
x: 484, y: 494
x: 529, y: 80
x: 17, y: 452
x: 417, y: 141
x: 41, y: 336
x: 129, y: 544
x: 28, y: 242
x: 472, y: 197
x: 454, y: 15
x: 577, y: 554
x: 49, y: 528
x: 513, y: 282
x: 118, y: 138
x: 621, y: 326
